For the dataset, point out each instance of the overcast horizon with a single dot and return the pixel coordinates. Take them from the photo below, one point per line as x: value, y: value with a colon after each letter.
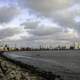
x: 39, y: 22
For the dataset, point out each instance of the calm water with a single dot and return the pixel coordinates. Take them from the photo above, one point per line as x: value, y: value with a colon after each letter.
x: 65, y: 63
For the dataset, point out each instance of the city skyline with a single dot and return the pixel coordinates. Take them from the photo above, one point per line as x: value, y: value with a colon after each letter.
x: 39, y: 22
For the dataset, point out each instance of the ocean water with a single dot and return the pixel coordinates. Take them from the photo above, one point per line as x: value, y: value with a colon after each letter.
x: 65, y: 63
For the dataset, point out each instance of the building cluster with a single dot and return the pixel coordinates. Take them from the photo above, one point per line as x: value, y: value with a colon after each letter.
x: 6, y: 47
x: 74, y: 46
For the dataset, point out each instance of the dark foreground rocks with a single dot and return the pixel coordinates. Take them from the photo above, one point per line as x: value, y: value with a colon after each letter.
x: 10, y: 71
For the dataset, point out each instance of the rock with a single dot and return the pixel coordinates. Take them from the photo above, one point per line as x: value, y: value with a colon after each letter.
x: 10, y: 71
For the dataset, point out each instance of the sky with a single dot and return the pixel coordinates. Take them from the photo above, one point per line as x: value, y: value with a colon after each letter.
x: 39, y: 22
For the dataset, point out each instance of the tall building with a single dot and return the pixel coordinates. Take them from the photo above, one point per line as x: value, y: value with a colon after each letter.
x: 67, y: 46
x: 77, y: 45
x: 1, y: 46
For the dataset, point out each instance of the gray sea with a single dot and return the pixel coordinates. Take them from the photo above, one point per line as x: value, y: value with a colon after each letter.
x: 65, y: 63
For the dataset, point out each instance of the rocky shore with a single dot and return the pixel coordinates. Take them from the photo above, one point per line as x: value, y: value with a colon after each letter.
x: 10, y: 71
x: 14, y: 70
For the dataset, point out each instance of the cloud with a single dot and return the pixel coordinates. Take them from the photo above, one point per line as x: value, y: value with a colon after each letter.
x: 42, y: 27
x: 7, y: 14
x: 8, y: 32
x: 35, y: 22
x: 61, y: 11
x: 47, y: 7
x: 30, y: 25
x: 44, y: 31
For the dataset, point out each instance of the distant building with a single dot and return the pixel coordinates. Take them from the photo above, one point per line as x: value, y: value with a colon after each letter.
x: 76, y: 45
x: 1, y: 48
x: 67, y: 46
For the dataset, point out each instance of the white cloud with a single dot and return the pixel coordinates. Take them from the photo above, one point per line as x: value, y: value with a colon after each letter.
x: 77, y: 19
x: 7, y: 14
x: 47, y: 6
x: 18, y: 36
x: 40, y: 21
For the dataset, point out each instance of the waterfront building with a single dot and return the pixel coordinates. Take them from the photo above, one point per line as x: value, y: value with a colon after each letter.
x: 76, y: 45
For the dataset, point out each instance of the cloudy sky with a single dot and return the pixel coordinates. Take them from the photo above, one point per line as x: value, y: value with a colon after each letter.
x: 39, y: 22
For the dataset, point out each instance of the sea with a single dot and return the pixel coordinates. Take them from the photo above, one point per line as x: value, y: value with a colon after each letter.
x: 65, y: 63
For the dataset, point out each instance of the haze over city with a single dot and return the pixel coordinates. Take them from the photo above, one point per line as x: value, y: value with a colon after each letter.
x: 39, y: 22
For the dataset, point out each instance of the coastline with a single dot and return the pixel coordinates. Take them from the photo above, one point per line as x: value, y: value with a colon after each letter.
x: 44, y: 74
x: 32, y: 72
x: 12, y: 71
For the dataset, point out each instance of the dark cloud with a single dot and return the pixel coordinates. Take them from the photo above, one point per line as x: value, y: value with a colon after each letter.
x: 7, y: 14
x: 62, y: 11
x: 8, y: 32
x: 48, y: 22
x: 30, y: 25
x: 44, y: 31
x: 47, y: 7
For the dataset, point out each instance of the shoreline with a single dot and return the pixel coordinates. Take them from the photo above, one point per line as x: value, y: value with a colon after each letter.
x: 46, y: 75
x: 40, y: 74
x: 10, y: 70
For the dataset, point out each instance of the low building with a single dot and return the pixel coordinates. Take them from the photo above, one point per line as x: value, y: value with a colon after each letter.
x: 1, y: 48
